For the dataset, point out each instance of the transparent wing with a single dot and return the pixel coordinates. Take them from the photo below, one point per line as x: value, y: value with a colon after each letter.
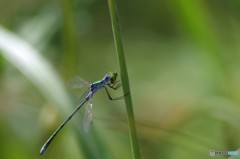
x: 78, y: 82
x: 87, y: 118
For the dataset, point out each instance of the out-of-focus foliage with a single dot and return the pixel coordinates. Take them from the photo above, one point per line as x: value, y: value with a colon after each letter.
x: 183, y: 63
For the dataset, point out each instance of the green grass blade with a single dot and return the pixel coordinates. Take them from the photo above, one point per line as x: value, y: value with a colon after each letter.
x: 30, y: 63
x: 124, y: 78
x: 69, y: 39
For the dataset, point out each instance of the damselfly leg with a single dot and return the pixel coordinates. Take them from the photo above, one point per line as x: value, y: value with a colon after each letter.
x: 110, y: 98
x: 115, y: 85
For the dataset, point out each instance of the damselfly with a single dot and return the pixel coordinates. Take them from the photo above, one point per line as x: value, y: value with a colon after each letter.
x: 109, y: 80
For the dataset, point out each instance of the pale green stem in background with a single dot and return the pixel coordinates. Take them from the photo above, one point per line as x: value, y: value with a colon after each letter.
x: 69, y: 40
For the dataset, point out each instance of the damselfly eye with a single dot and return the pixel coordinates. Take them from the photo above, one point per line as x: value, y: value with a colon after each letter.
x: 113, y: 77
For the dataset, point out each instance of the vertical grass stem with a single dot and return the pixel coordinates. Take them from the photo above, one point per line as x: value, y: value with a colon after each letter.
x: 124, y: 78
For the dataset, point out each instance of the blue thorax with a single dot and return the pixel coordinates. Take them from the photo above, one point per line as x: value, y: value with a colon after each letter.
x: 95, y: 86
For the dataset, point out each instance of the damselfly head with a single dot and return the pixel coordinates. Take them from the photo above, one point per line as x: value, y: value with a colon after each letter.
x: 113, y: 77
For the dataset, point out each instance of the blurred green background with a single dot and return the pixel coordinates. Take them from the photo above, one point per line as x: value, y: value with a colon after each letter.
x: 183, y: 63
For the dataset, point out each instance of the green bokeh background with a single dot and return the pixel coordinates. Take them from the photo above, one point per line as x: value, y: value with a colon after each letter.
x: 183, y: 63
